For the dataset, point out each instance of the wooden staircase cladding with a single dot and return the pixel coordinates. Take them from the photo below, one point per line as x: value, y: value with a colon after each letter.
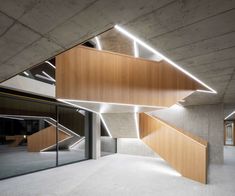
x: 185, y: 152
x: 88, y: 74
x: 44, y: 139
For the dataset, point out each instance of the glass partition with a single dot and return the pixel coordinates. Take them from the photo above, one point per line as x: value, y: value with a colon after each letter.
x: 25, y: 136
x: 229, y: 133
x: 32, y: 140
x: 72, y: 146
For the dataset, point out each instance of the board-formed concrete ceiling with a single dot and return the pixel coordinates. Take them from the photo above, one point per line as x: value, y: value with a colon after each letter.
x: 198, y: 35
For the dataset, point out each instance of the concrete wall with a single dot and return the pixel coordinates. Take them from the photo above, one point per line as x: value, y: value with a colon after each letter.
x: 134, y: 146
x: 205, y: 121
x: 96, y: 147
x: 108, y: 144
x: 121, y: 125
x: 29, y: 85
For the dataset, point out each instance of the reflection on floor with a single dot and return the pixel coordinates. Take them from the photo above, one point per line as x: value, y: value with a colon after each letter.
x: 123, y: 175
x: 17, y: 160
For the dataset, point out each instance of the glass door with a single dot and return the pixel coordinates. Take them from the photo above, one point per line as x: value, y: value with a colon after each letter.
x: 229, y: 134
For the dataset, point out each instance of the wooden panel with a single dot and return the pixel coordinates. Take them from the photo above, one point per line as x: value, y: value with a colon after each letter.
x: 88, y: 74
x: 44, y: 139
x: 185, y: 152
x: 16, y: 140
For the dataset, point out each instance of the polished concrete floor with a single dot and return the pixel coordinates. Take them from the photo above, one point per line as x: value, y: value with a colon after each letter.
x: 123, y: 175
x: 17, y: 160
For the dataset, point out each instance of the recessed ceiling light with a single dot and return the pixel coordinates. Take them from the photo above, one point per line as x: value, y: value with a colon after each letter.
x: 25, y: 73
x: 105, y: 125
x: 49, y: 63
x: 162, y: 57
x: 229, y: 115
x: 137, y: 125
x: 47, y: 75
x: 44, y: 77
x: 98, y: 43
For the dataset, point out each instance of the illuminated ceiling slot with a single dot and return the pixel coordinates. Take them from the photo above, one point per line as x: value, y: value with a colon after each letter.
x: 229, y: 115
x: 162, y: 57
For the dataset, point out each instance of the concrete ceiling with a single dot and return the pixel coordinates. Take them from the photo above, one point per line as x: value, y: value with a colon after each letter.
x: 198, y: 35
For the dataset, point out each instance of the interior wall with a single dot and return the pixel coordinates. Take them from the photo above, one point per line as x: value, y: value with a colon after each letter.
x: 108, y: 144
x: 133, y: 146
x: 205, y: 121
x: 121, y: 125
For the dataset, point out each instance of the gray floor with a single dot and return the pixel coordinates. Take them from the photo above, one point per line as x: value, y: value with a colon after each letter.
x: 123, y: 175
x: 17, y: 160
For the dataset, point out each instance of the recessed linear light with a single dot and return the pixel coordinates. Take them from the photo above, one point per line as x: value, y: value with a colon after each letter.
x: 137, y: 125
x: 47, y: 75
x: 25, y: 73
x: 49, y: 63
x: 162, y: 57
x: 13, y: 118
x: 229, y: 115
x: 44, y: 77
x: 136, y: 51
x: 77, y: 106
x: 105, y: 125
x: 205, y: 91
x: 110, y: 103
x: 98, y: 43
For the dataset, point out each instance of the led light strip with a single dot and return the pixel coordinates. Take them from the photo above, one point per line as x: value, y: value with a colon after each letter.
x: 137, y: 125
x: 13, y: 118
x: 98, y: 43
x: 47, y: 75
x: 44, y: 78
x: 110, y: 103
x: 49, y: 63
x: 204, y: 91
x: 105, y: 125
x: 26, y: 73
x: 229, y: 115
x: 80, y: 140
x: 162, y: 57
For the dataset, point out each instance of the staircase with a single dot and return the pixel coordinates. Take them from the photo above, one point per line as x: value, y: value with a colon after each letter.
x: 45, y: 139
x: 185, y: 152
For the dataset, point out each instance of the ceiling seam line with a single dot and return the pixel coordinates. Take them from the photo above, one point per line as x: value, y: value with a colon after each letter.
x: 183, y: 26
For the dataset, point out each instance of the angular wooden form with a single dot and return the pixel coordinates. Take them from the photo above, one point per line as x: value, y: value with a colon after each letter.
x: 185, y: 152
x: 91, y: 75
x: 44, y: 139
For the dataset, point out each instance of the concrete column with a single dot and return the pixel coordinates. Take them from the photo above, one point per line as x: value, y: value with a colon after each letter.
x: 96, y: 147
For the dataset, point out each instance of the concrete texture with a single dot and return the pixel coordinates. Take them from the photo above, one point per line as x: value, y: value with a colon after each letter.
x: 205, y: 121
x: 134, y: 146
x: 29, y: 85
x: 96, y: 128
x: 108, y: 145
x: 123, y: 175
x: 195, y: 34
x: 121, y: 125
x: 228, y: 109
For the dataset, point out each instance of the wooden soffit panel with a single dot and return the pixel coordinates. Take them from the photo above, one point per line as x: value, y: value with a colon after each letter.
x: 88, y: 74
